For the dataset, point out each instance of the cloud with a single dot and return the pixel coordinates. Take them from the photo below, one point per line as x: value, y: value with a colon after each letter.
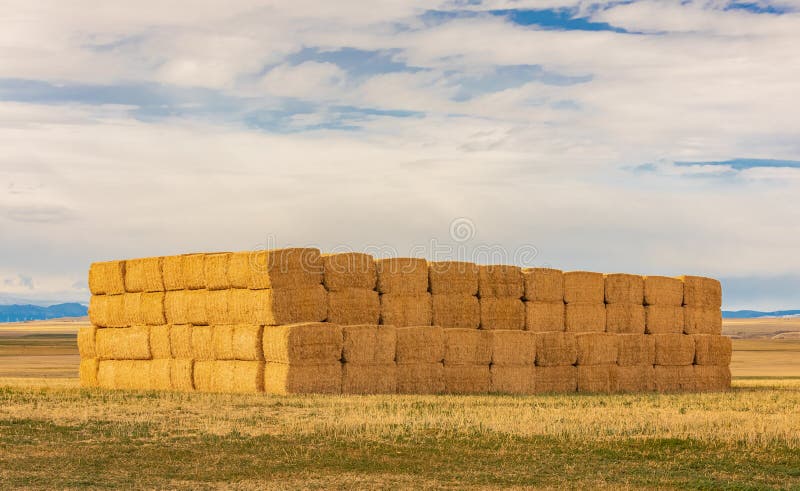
x: 309, y: 80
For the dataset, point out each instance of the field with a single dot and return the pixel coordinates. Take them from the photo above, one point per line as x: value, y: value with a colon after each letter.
x: 55, y: 435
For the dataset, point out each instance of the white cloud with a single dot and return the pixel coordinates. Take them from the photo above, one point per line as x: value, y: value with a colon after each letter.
x: 309, y: 80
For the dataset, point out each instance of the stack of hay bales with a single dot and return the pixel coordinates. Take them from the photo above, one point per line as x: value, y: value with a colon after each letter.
x: 501, y: 289
x: 403, y: 287
x: 350, y: 279
x: 513, y: 368
x: 467, y: 356
x: 454, y: 294
x: 420, y: 360
x: 702, y: 309
x: 544, y: 299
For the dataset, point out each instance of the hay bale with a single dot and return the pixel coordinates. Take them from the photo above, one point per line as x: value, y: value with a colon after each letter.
x: 406, y: 310
x: 597, y: 348
x: 498, y: 280
x: 544, y: 316
x: 193, y: 271
x: 86, y: 342
x: 176, y: 305
x: 180, y: 341
x: 127, y: 343
x: 467, y: 379
x: 152, y: 308
x: 597, y: 378
x: 241, y: 305
x: 181, y: 374
x: 701, y: 292
x: 309, y: 343
x: 222, y: 342
x: 360, y: 378
x: 248, y: 376
x: 502, y: 313
x: 663, y: 319
x: 369, y: 344
x: 663, y: 290
x: 674, y: 349
x: 584, y: 287
x: 349, y: 270
x: 217, y: 306
x: 453, y: 278
x: 132, y: 309
x: 248, y: 342
x: 406, y: 276
x: 585, y: 317
x: 160, y: 342
x: 513, y: 379
x: 280, y: 378
x: 215, y: 271
x: 106, y: 374
x: 353, y: 306
x: 456, y: 310
x: 203, y: 375
x: 635, y: 378
x: 636, y: 349
x: 143, y: 275
x: 624, y: 288
x: 712, y: 350
x: 556, y: 379
x: 98, y: 310
x: 712, y: 378
x: 512, y: 348
x: 290, y: 268
x: 132, y: 374
x: 196, y: 311
x: 543, y: 285
x: 625, y: 318
x: 556, y: 349
x: 107, y: 278
x: 290, y: 306
x: 674, y: 378
x: 172, y: 273
x: 420, y: 344
x: 420, y: 378
x: 202, y: 342
x: 87, y: 372
x: 229, y: 376
x: 160, y: 375
x: 700, y: 320
x: 467, y: 347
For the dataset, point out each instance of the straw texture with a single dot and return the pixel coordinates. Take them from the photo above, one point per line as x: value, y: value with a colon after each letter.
x: 543, y: 284
x: 556, y: 348
x: 498, y: 280
x: 712, y: 350
x: 143, y: 275
x: 625, y: 318
x: 597, y: 348
x: 86, y: 342
x: 700, y: 320
x: 701, y: 292
x: 352, y: 306
x: 369, y: 344
x: 502, y: 313
x: 406, y: 310
x: 674, y: 349
x: 597, y: 378
x: 513, y: 348
x: 349, y: 270
x: 280, y: 378
x: 544, y: 316
x: 664, y: 319
x: 369, y: 379
x: 467, y: 347
x: 453, y: 278
x: 107, y: 278
x: 674, y: 378
x: 402, y: 276
x: 308, y: 343
x: 663, y: 290
x: 131, y: 343
x: 420, y: 378
x: 557, y: 379
x: 636, y: 349
x: 585, y: 317
x: 456, y: 310
x: 621, y: 288
x: 635, y: 378
x: 420, y: 344
x: 584, y: 287
x: 513, y: 379
x: 467, y: 379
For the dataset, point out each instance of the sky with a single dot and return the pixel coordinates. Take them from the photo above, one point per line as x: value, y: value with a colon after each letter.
x: 653, y: 137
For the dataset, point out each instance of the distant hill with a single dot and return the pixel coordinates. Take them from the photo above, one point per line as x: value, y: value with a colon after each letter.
x: 19, y: 313
x: 752, y: 314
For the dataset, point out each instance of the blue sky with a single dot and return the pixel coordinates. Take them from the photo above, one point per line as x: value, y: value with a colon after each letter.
x: 657, y: 137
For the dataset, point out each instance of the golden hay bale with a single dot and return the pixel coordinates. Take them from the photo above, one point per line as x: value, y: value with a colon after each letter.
x: 513, y: 379
x: 202, y: 342
x: 217, y: 307
x: 597, y: 378
x: 663, y: 290
x: 584, y: 287
x: 193, y: 271
x: 625, y: 318
x: 107, y: 278
x: 512, y: 347
x: 196, y: 311
x: 369, y: 379
x: 152, y: 308
x: 636, y: 349
x: 556, y: 348
x: 176, y: 304
x: 280, y: 378
x: 420, y: 344
x: 369, y: 344
x: 406, y: 310
x: 203, y: 375
x: 98, y: 310
x: 556, y: 379
x: 172, y: 273
x: 160, y: 342
x: 86, y: 342
x: 181, y: 374
x: 585, y: 317
x: 278, y: 268
x: 498, y: 280
x: 106, y: 374
x: 180, y: 341
x: 544, y: 316
x: 87, y: 372
x: 229, y: 376
x: 467, y: 379
x: 711, y: 349
x: 160, y: 375
x: 215, y: 271
x: 635, y: 378
x: 349, y: 270
x: 248, y: 376
x: 143, y: 275
x: 674, y: 349
x: 543, y: 285
x: 241, y: 306
x: 308, y: 343
x: 132, y: 374
x: 275, y: 307
x: 467, y: 347
x: 248, y: 342
x: 402, y: 275
x: 127, y: 343
x: 456, y: 310
x: 663, y: 319
x: 132, y: 308
x: 597, y: 348
x: 701, y: 292
x: 352, y: 306
x: 420, y: 378
x: 222, y: 341
x: 453, y: 278
x: 674, y: 378
x: 502, y: 313
x: 700, y: 320
x: 624, y: 288
x: 712, y: 378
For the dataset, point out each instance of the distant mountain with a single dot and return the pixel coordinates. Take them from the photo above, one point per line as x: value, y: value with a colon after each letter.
x: 752, y: 314
x: 19, y: 313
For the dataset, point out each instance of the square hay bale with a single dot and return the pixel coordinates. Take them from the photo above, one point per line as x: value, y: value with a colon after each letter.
x: 513, y: 379
x: 180, y: 341
x: 202, y: 342
x: 556, y: 348
x: 663, y: 319
x: 369, y: 379
x: 309, y: 343
x: 280, y: 378
x: 181, y: 374
x: 674, y: 349
x: 131, y: 374
x: 556, y: 379
x: 87, y: 372
x: 98, y: 310
x: 502, y: 313
x: 241, y: 306
x: 456, y: 310
x: 215, y: 271
x: 624, y: 288
x: 453, y: 278
x: 196, y: 310
x: 176, y: 305
x: 353, y: 306
x: 625, y: 318
x: 597, y: 378
x: 699, y: 320
x: 203, y: 375
x: 143, y: 275
x: 420, y: 344
x: 106, y: 374
x: 290, y: 268
x: 86, y: 342
x: 290, y: 306
x: 636, y: 349
x: 172, y: 273
x: 369, y: 344
x: 674, y: 378
x: 132, y: 305
x: 126, y: 343
x: 248, y: 342
x: 349, y: 270
x: 107, y: 278
x: 402, y: 276
x: 712, y: 378
x: 713, y: 350
x: 160, y: 375
x: 115, y: 311
x: 663, y: 290
x: 544, y: 316
x: 229, y: 376
x: 635, y: 378
x: 584, y: 287
x: 543, y: 285
x: 467, y: 379
x: 467, y: 347
x: 701, y: 292
x: 222, y: 342
x: 217, y: 307
x: 160, y: 342
x: 248, y: 376
x: 406, y: 310
x: 597, y: 348
x: 193, y: 271
x: 420, y: 378
x: 152, y: 309
x: 512, y: 348
x: 499, y: 280
x: 585, y: 317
